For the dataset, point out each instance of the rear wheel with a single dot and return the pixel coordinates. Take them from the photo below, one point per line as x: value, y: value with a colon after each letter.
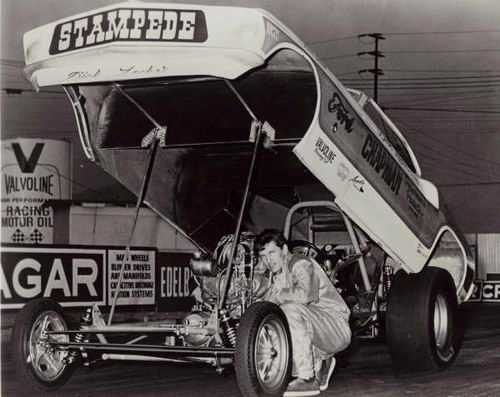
x: 263, y: 357
x: 39, y: 366
x: 422, y: 323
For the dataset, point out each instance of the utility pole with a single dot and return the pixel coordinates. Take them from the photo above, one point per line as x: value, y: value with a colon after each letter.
x: 376, y: 54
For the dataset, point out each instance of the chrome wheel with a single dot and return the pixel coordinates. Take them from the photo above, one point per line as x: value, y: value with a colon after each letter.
x: 271, y: 353
x: 442, y: 328
x: 47, y: 362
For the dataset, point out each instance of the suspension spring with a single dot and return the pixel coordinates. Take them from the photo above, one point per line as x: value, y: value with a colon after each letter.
x: 387, y: 280
x: 80, y: 336
x: 229, y: 330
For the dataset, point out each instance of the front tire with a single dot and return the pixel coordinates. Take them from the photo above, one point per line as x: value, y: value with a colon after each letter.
x: 263, y: 357
x: 423, y: 328
x: 38, y: 366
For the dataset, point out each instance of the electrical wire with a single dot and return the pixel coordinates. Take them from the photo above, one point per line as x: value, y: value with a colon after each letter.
x: 455, y: 149
x: 440, y: 32
x: 410, y: 129
x: 450, y: 51
x: 444, y: 71
x: 333, y: 40
x: 470, y: 184
x: 479, y: 111
x: 383, y: 79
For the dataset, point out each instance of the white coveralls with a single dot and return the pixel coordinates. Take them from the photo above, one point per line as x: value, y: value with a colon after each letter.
x: 317, y: 315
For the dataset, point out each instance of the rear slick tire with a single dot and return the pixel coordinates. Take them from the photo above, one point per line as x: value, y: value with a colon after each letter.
x: 423, y: 328
x: 263, y: 356
x: 38, y: 366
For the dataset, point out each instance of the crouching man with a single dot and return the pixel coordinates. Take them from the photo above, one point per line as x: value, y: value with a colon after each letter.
x: 317, y: 316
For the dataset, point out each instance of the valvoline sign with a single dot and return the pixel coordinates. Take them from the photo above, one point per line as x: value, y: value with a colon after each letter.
x: 33, y: 171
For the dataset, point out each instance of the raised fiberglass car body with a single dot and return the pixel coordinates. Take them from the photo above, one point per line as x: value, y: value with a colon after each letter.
x: 196, y: 108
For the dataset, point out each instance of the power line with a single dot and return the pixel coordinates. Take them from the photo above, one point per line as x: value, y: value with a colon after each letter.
x: 345, y: 73
x: 455, y: 149
x: 469, y: 184
x: 442, y: 110
x: 335, y: 39
x: 426, y: 87
x: 432, y: 78
x: 339, y: 56
x: 441, y: 32
x: 430, y: 98
x: 376, y: 54
x: 402, y: 86
x: 468, y: 168
x: 445, y: 144
x: 332, y: 40
x: 452, y: 171
x: 432, y: 160
x: 453, y: 95
x: 393, y: 83
x: 469, y: 50
x: 443, y: 70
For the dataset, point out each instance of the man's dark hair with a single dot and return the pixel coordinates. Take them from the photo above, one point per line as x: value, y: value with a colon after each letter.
x: 268, y: 235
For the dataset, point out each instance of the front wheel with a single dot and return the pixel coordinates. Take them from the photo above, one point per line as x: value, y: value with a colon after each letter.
x: 39, y: 366
x: 263, y: 357
x: 423, y: 328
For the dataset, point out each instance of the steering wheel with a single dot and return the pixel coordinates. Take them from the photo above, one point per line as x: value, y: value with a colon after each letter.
x: 303, y: 247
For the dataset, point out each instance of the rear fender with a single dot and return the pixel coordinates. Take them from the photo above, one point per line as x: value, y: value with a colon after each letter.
x: 448, y: 253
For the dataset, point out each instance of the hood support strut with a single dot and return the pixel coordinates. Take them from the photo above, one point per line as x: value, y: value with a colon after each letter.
x: 154, y: 139
x: 256, y: 130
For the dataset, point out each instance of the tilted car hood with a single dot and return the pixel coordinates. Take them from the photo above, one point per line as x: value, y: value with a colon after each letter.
x: 203, y: 75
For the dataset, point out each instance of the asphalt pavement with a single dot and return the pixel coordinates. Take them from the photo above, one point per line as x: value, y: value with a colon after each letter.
x: 366, y: 372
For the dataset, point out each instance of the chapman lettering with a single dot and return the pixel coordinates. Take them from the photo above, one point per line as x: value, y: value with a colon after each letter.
x: 129, y: 25
x: 382, y: 162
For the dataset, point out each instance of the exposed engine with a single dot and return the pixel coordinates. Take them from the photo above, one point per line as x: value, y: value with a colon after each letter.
x: 208, y: 324
x: 247, y: 285
x: 212, y: 286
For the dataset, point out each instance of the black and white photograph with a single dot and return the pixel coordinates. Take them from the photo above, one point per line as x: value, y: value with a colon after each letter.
x: 250, y: 198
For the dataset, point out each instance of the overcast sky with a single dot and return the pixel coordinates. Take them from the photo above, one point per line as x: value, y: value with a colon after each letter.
x: 441, y: 70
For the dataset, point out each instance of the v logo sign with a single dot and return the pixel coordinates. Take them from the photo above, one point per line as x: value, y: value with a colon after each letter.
x: 27, y: 166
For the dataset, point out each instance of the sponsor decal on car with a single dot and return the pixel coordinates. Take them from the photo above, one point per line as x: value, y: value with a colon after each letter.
x: 358, y: 183
x: 382, y: 162
x: 343, y: 171
x: 324, y: 151
x: 416, y: 201
x: 335, y: 105
x: 129, y: 24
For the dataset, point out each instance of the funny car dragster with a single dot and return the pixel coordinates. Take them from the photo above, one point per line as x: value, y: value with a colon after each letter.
x: 224, y: 123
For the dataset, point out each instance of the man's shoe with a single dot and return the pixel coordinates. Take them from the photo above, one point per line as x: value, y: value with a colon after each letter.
x: 326, y: 373
x: 302, y: 388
